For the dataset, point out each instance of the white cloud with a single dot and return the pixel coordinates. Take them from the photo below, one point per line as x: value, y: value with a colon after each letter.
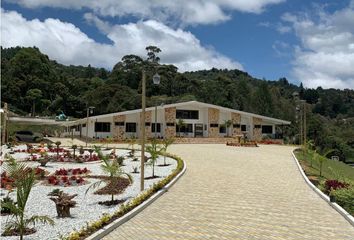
x: 184, y: 12
x: 67, y: 44
x: 326, y: 55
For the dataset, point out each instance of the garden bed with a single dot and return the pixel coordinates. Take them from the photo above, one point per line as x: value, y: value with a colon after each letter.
x: 334, y: 178
x: 87, y: 209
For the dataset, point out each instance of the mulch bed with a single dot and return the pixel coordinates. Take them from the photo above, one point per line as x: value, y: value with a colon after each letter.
x: 111, y: 203
x: 115, y: 187
x: 152, y: 177
x: 27, y: 231
x: 163, y: 165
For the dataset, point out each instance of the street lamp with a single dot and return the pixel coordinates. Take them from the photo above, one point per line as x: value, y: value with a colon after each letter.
x: 89, y: 111
x: 156, y: 80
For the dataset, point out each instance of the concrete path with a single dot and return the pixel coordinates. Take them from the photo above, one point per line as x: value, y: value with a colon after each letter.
x: 237, y: 193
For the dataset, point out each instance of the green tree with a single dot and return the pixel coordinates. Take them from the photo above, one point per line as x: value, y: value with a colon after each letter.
x: 152, y: 52
x: 34, y: 95
x: 165, y: 144
x: 155, y: 150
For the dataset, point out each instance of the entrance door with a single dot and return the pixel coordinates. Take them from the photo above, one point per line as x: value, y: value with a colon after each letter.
x: 198, y: 130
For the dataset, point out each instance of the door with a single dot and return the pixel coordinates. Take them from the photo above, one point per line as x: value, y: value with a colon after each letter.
x: 198, y: 130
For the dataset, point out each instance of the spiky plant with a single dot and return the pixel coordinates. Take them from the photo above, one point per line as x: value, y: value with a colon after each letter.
x: 165, y: 144
x: 114, y: 171
x: 24, y: 181
x: 155, y: 150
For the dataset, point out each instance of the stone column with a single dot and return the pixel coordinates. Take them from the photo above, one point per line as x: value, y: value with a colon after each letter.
x: 119, y: 131
x: 170, y: 118
x: 148, y: 119
x: 236, y: 120
x: 257, y: 132
x: 213, y: 118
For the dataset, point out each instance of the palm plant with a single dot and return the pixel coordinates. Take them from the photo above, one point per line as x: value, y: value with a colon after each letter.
x: 132, y: 142
x: 24, y: 181
x: 321, y: 159
x: 74, y: 147
x: 180, y: 124
x: 155, y: 150
x: 114, y: 172
x: 227, y: 124
x: 165, y: 144
x: 57, y: 143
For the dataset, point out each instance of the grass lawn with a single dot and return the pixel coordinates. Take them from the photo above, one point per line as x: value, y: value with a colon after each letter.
x: 331, y: 169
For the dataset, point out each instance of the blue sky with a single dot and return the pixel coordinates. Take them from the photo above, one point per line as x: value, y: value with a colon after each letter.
x: 266, y: 38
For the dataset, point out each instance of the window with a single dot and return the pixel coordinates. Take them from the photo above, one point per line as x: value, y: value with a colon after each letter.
x: 130, y: 127
x: 257, y: 126
x: 267, y: 129
x: 102, y: 127
x: 119, y: 124
x: 147, y: 124
x: 83, y: 125
x: 243, y: 128
x: 222, y: 129
x: 214, y: 125
x: 187, y: 128
x: 158, y: 127
x: 170, y: 124
x: 187, y: 114
x: 236, y: 126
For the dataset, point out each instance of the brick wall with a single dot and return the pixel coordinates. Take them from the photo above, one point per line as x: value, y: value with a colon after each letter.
x: 147, y: 120
x: 170, y: 117
x: 213, y: 118
x: 236, y: 119
x: 118, y: 131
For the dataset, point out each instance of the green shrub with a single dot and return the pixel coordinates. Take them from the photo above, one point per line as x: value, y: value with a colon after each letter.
x: 345, y: 198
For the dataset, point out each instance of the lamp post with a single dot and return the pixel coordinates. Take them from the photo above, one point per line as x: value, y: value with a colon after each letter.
x: 89, y: 110
x: 156, y: 80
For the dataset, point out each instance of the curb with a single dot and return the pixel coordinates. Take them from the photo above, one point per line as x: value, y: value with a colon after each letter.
x: 334, y: 205
x: 112, y: 226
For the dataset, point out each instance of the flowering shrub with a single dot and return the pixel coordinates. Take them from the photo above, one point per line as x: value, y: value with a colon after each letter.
x: 65, y: 181
x: 270, y: 141
x: 6, y: 181
x: 334, y: 185
x: 71, y: 171
x: 246, y: 144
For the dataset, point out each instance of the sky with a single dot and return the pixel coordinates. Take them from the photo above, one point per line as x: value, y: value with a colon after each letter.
x: 305, y: 41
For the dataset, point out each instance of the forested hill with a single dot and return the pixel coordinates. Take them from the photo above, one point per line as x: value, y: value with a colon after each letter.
x: 33, y: 82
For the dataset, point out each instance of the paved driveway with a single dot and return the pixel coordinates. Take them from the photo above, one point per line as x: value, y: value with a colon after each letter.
x: 237, y: 193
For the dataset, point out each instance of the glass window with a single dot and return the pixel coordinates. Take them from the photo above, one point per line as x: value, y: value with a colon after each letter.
x: 170, y: 124
x: 102, y: 127
x: 187, y: 114
x: 147, y: 124
x: 119, y: 123
x: 257, y: 126
x: 130, y: 127
x: 243, y: 128
x: 222, y: 129
x: 158, y: 127
x: 267, y: 129
x: 236, y: 126
x: 214, y: 125
x: 187, y: 128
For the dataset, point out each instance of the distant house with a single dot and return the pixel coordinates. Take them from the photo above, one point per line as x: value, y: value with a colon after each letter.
x: 189, y: 119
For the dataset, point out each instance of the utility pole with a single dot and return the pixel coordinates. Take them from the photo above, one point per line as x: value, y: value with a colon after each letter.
x: 142, y: 127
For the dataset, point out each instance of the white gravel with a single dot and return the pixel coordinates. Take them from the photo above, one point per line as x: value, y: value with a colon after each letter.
x: 87, y: 209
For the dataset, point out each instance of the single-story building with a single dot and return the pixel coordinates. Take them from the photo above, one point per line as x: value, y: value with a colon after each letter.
x: 189, y: 119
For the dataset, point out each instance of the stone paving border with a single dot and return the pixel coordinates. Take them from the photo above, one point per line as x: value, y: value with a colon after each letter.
x: 112, y: 226
x: 334, y: 205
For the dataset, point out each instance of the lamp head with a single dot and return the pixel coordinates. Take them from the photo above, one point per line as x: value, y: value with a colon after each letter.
x: 156, y: 79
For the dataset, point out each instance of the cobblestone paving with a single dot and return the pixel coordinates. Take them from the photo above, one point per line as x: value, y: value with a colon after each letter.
x: 237, y: 193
